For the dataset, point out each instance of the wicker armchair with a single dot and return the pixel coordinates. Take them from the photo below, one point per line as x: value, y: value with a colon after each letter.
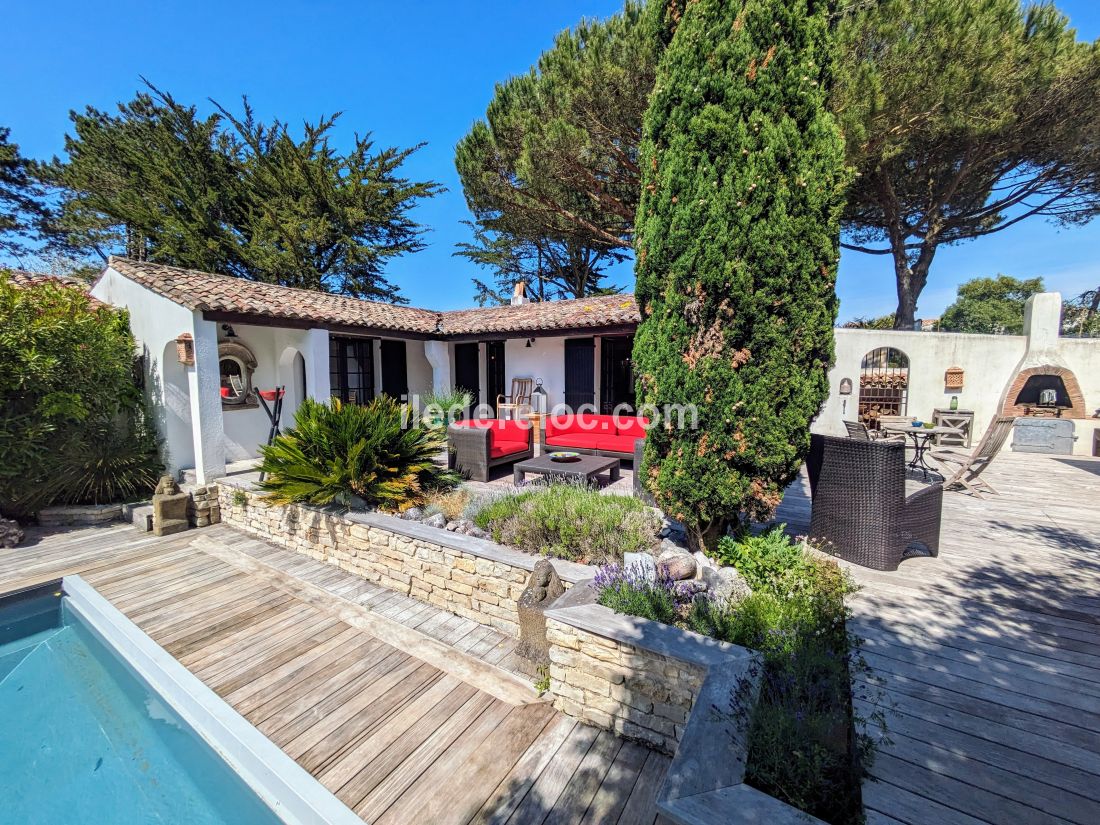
x: 475, y: 447
x: 860, y: 510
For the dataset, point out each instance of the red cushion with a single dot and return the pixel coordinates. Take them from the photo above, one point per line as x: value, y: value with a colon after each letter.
x: 587, y: 424
x: 588, y: 441
x: 632, y: 426
x: 617, y: 444
x: 503, y: 448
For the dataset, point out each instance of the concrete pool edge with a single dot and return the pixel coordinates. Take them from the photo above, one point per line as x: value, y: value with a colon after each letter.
x: 291, y: 792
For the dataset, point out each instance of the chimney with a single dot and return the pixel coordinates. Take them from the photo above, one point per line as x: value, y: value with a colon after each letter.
x: 519, y: 295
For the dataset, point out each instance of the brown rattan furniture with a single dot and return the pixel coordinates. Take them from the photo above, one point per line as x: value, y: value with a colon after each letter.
x: 860, y: 510
x: 475, y: 447
x: 962, y: 469
x: 518, y: 402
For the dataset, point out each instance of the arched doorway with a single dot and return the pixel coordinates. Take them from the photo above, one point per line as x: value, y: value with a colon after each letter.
x: 883, y: 385
x: 292, y: 374
x: 173, y: 409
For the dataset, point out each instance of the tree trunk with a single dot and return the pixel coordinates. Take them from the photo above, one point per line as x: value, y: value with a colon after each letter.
x: 704, y: 537
x: 911, y: 280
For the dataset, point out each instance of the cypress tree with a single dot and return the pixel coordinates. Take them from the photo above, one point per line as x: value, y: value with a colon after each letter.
x: 737, y: 246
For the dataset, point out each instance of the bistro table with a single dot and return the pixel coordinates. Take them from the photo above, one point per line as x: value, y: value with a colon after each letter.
x: 922, y: 437
x: 585, y: 468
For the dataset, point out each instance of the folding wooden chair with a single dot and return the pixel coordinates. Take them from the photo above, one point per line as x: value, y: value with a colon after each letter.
x: 963, y: 469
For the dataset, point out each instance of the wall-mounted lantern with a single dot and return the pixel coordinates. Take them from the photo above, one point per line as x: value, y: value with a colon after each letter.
x: 845, y: 386
x: 185, y: 349
x: 953, y: 378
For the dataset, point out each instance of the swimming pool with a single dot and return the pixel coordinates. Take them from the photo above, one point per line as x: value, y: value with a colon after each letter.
x: 100, y: 725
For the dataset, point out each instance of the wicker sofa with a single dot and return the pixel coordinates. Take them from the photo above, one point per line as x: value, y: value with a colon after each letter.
x: 476, y: 446
x: 608, y: 435
x: 860, y: 510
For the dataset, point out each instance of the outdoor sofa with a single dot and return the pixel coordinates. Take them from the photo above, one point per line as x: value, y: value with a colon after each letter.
x: 476, y: 446
x: 860, y: 510
x: 607, y: 435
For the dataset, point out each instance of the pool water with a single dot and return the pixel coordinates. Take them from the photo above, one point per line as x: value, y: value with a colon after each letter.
x: 84, y: 740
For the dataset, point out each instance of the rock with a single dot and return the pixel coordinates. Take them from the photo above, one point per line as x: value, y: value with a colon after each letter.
x: 10, y: 533
x: 726, y: 583
x: 695, y: 586
x: 413, y: 514
x: 672, y: 529
x: 463, y: 526
x: 670, y: 546
x: 642, y: 562
x: 478, y: 533
x: 703, y: 560
x: 452, y: 526
x: 676, y: 565
x: 438, y: 520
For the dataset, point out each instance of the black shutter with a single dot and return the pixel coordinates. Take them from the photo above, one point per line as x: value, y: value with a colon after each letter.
x: 580, y: 372
x: 466, y: 371
x: 494, y: 371
x: 395, y: 370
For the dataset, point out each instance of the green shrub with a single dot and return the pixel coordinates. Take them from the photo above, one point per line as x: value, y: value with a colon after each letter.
x: 629, y: 591
x: 73, y: 423
x: 762, y: 559
x: 439, y: 408
x: 354, y: 456
x: 570, y: 521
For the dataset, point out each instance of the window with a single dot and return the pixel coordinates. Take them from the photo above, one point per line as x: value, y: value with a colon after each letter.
x: 236, y: 365
x: 351, y: 369
x: 883, y: 385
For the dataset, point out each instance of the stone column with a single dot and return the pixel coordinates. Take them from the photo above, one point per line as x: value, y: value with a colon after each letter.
x: 438, y: 354
x: 204, y: 387
x: 315, y: 353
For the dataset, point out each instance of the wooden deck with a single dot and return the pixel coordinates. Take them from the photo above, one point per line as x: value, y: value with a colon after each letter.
x: 401, y: 710
x: 989, y: 655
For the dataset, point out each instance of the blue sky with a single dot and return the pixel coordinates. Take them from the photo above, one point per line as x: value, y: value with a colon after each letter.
x: 409, y: 72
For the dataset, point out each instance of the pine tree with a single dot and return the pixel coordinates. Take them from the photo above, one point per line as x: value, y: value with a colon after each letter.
x: 737, y: 247
x: 20, y: 198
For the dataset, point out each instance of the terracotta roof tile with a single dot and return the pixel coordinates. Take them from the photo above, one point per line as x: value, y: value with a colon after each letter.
x: 208, y: 292
x: 580, y: 313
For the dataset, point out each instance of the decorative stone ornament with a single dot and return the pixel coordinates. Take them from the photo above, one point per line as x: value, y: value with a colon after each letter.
x: 170, y: 506
x: 185, y: 349
x: 542, y: 589
x: 953, y: 378
x: 845, y: 386
x: 10, y: 533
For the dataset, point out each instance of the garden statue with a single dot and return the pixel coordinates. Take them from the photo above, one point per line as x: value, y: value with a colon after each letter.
x: 10, y: 533
x: 169, y: 508
x: 543, y: 588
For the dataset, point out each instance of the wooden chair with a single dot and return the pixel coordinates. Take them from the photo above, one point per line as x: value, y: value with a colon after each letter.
x: 962, y: 468
x: 519, y: 400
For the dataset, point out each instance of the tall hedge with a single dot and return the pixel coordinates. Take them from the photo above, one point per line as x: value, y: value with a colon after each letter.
x: 73, y: 423
x: 737, y: 246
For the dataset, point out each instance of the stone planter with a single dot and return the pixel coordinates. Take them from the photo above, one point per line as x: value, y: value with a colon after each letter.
x: 87, y: 514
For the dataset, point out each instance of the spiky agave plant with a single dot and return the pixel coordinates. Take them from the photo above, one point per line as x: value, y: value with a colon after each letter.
x: 376, y: 454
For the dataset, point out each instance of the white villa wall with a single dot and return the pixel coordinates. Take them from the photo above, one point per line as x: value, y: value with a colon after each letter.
x: 156, y: 322
x: 989, y: 363
x: 419, y: 370
x: 544, y: 359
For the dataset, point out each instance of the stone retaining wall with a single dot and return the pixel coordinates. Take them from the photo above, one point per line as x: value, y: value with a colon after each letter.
x: 80, y: 514
x: 463, y: 575
x: 632, y: 676
x: 614, y: 685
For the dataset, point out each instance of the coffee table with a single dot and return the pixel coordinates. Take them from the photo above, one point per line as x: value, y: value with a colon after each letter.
x: 586, y: 468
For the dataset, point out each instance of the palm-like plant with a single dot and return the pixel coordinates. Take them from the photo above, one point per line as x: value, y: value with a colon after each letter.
x: 376, y: 454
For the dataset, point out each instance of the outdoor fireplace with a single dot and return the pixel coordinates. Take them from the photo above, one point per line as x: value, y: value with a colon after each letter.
x: 1044, y: 385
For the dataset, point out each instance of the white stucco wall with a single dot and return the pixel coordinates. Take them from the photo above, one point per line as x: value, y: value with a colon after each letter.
x: 420, y: 371
x: 156, y: 322
x: 989, y: 363
x: 544, y: 359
